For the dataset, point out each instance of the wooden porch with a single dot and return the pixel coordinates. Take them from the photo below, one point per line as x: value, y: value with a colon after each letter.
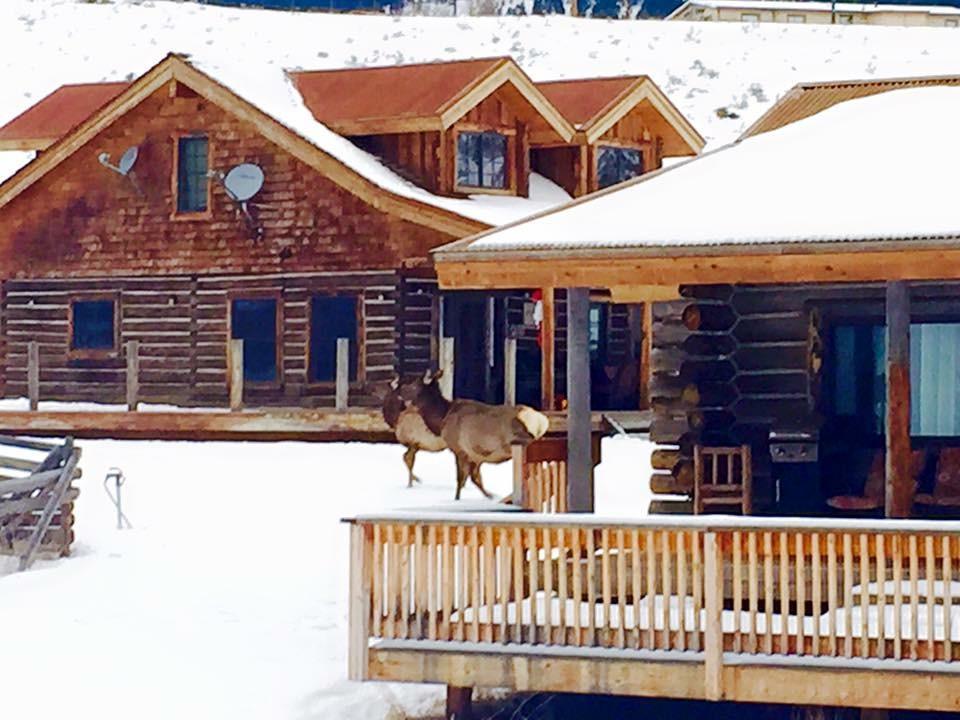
x: 812, y: 612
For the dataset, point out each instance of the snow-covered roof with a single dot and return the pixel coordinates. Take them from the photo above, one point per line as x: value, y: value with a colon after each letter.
x: 13, y: 160
x: 814, y: 6
x: 830, y: 177
x: 702, y: 67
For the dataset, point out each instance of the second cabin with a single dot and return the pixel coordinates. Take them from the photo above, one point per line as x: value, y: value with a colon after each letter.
x: 129, y: 226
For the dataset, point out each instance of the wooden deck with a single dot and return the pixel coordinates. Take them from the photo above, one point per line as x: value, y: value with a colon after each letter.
x: 320, y: 425
x: 846, y: 613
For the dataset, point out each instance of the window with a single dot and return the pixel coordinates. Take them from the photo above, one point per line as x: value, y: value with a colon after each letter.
x: 749, y: 17
x: 859, y: 382
x: 192, y: 180
x: 597, y: 339
x: 796, y: 18
x: 845, y: 19
x: 616, y: 164
x: 254, y: 321
x: 332, y: 318
x: 482, y: 160
x: 92, y: 325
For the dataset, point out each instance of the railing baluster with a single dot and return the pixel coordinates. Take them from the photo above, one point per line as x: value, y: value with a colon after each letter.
x: 847, y: 595
x: 376, y: 607
x: 881, y: 543
x: 753, y: 589
x: 816, y: 589
x: 518, y: 559
x: 682, y: 590
x: 475, y: 600
x: 897, y: 597
x: 419, y: 583
x: 784, y: 594
x: 914, y: 596
x: 864, y: 596
x: 947, y: 575
x: 697, y: 577
x: 464, y: 570
x: 637, y: 565
x: 768, y: 592
x: 621, y: 589
x: 534, y: 562
x: 800, y: 581
x: 832, y: 592
x: 577, y: 593
x: 432, y: 582
x: 562, y: 594
x: 606, y: 586
x: 489, y: 582
x: 446, y: 583
x: 931, y: 572
x: 591, y: 587
x: 666, y: 582
x: 503, y: 582
x: 651, y: 590
x: 547, y: 587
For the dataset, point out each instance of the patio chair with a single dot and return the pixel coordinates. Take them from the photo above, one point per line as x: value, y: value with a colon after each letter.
x: 872, y: 497
x: 722, y: 479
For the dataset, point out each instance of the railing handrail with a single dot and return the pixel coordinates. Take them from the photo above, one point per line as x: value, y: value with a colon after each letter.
x: 711, y: 523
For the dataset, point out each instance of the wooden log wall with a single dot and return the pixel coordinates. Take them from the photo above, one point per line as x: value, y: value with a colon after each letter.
x: 182, y: 325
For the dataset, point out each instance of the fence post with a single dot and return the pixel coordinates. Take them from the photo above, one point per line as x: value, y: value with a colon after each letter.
x: 359, y: 618
x: 713, y: 629
x: 235, y: 367
x: 343, y: 374
x: 33, y: 374
x: 133, y: 374
x: 510, y: 371
x: 446, y: 364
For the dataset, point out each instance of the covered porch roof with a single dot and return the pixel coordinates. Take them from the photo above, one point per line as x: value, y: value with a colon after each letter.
x: 827, y: 198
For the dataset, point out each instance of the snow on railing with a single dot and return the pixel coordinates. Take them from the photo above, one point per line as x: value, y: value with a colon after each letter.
x: 716, y: 590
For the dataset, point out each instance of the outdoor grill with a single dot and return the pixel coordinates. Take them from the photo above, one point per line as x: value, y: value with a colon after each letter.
x: 795, y: 454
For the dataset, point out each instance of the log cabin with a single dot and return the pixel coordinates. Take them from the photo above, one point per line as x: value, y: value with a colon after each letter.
x: 805, y: 347
x: 363, y: 172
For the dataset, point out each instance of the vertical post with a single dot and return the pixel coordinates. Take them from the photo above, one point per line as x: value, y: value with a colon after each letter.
x: 235, y: 367
x: 510, y: 371
x: 580, y: 456
x: 446, y: 365
x: 359, y: 619
x: 518, y: 485
x: 899, y: 484
x: 343, y: 374
x: 133, y: 374
x: 548, y: 350
x: 713, y: 630
x: 459, y: 703
x: 646, y: 341
x: 33, y: 374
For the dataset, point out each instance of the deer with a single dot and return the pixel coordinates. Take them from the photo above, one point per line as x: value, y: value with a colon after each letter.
x: 475, y: 432
x: 409, y: 429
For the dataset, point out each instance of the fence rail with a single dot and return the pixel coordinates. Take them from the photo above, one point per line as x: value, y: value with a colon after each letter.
x: 715, y: 592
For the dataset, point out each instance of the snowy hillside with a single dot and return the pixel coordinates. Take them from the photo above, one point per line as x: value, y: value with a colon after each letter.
x: 228, y: 598
x: 702, y: 66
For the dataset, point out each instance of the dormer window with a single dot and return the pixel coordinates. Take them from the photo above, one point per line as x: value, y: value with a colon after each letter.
x: 192, y: 181
x: 481, y: 160
x: 616, y: 164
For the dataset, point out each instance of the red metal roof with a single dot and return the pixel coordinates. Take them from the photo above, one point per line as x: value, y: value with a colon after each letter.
x: 400, y: 91
x: 581, y: 100
x: 58, y: 113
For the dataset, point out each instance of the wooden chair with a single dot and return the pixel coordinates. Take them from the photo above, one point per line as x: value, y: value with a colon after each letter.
x: 872, y: 497
x: 946, y: 487
x: 722, y: 479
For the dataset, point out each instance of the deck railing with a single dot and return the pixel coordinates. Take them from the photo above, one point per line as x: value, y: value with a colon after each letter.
x: 710, y: 589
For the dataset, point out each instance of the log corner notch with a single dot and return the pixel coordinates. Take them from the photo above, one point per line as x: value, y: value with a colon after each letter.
x: 898, y: 488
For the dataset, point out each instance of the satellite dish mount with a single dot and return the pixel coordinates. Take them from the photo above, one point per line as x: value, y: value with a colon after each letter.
x: 241, y: 183
x: 125, y: 166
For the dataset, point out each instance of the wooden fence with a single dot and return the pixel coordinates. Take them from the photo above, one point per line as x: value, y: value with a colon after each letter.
x: 726, y: 590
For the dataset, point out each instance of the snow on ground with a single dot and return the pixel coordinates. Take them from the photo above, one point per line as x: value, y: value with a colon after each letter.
x: 228, y: 598
x: 701, y: 66
x: 761, y: 190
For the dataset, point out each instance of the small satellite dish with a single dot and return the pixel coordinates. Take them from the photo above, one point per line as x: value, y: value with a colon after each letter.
x: 243, y: 182
x: 127, y: 161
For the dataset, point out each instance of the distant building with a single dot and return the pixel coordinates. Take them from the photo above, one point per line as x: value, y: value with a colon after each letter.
x: 817, y: 13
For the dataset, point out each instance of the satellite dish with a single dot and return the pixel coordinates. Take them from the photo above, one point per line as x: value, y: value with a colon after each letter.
x: 243, y: 182
x: 127, y: 161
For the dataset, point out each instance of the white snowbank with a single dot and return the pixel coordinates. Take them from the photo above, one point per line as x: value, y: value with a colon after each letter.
x: 814, y: 6
x: 228, y: 599
x: 823, y: 178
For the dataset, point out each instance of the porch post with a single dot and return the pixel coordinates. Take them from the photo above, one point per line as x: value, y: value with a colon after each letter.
x: 899, y: 485
x: 547, y: 350
x: 579, y: 460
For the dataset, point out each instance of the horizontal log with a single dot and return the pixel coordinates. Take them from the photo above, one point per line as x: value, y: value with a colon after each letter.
x: 702, y: 317
x: 662, y: 459
x: 31, y: 482
x: 670, y: 507
x: 790, y: 325
x: 709, y: 345
x: 776, y: 382
x: 669, y: 333
x: 669, y: 310
x: 707, y: 292
x: 773, y: 355
x: 663, y: 484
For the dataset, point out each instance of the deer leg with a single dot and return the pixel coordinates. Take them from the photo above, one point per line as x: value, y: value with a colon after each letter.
x: 409, y: 457
x: 477, y: 480
x: 462, y: 470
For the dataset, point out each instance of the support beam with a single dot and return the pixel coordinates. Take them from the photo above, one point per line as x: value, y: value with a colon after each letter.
x: 510, y: 371
x: 459, y: 703
x: 646, y: 343
x: 899, y: 484
x: 548, y: 350
x: 342, y: 390
x: 579, y: 459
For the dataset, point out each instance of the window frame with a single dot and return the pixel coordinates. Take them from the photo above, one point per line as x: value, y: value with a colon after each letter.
x: 749, y: 17
x: 361, y: 340
x: 509, y: 166
x: 796, y: 19
x: 275, y: 294
x: 641, y: 147
x: 74, y: 353
x: 175, y: 213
